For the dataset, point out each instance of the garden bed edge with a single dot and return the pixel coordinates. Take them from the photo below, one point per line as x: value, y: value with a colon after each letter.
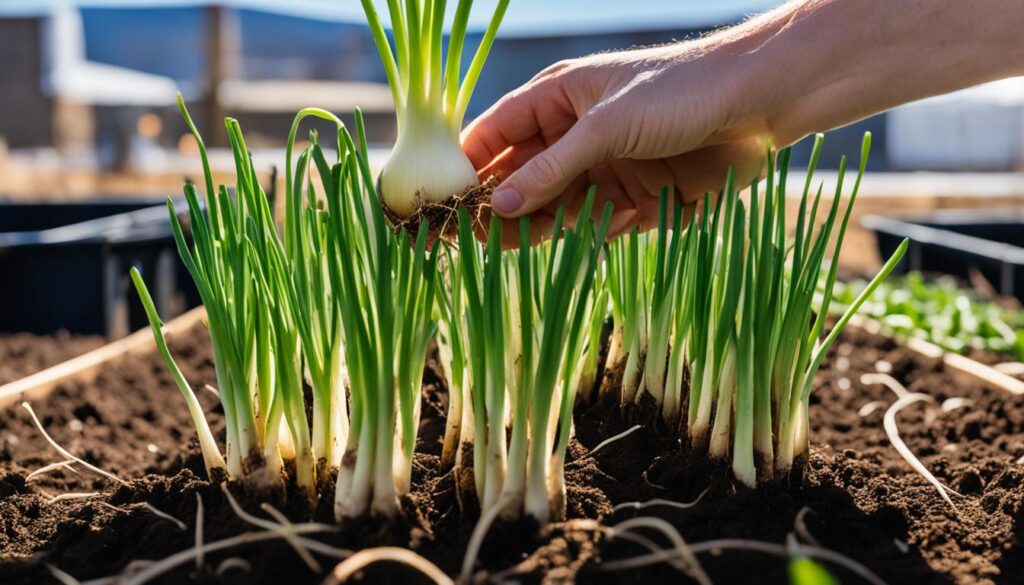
x: 86, y: 366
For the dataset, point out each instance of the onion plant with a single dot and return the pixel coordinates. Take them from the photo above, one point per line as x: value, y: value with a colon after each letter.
x: 337, y: 302
x: 427, y: 170
x: 284, y: 364
x: 314, y: 302
x: 626, y: 291
x: 528, y: 335
x: 451, y: 345
x: 220, y: 264
x: 243, y: 275
x: 385, y: 284
x: 212, y: 458
x: 719, y: 324
x: 644, y: 274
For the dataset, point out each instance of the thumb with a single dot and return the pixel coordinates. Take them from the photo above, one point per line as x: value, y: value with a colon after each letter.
x: 549, y: 173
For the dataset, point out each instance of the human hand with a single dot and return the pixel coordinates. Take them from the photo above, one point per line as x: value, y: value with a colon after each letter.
x: 631, y: 123
x: 679, y: 115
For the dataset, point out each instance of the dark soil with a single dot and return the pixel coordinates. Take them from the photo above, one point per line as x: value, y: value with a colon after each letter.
x: 22, y: 354
x: 865, y: 502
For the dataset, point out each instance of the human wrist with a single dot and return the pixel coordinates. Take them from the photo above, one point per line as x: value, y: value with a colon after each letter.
x: 748, y: 84
x: 790, y: 64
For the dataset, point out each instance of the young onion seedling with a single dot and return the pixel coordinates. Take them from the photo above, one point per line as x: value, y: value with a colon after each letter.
x: 386, y: 284
x: 340, y: 302
x: 452, y: 345
x: 312, y: 299
x: 232, y: 263
x: 529, y: 325
x: 644, y: 278
x: 732, y: 302
x: 427, y: 174
x: 222, y: 269
x: 211, y: 453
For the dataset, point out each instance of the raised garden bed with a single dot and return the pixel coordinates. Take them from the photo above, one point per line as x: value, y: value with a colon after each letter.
x: 865, y: 502
x: 957, y: 241
x: 22, y: 354
x: 46, y: 246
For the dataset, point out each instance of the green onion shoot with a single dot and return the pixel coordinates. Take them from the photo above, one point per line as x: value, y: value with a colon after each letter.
x: 427, y: 174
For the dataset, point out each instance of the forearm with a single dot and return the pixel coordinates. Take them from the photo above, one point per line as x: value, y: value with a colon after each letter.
x: 813, y: 65
x: 635, y: 121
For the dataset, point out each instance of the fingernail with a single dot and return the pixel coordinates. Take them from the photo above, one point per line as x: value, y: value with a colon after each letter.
x: 507, y: 200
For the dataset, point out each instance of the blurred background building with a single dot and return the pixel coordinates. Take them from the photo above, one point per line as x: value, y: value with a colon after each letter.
x: 91, y: 83
x: 87, y: 92
x: 83, y: 70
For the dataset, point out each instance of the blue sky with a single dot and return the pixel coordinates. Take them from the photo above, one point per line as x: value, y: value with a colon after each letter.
x: 524, y: 17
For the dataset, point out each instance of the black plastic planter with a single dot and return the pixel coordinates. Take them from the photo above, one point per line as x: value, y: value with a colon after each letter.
x: 957, y: 241
x: 67, y: 266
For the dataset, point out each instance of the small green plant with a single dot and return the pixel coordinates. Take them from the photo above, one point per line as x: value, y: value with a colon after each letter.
x: 340, y: 303
x: 220, y: 264
x: 718, y: 325
x: 941, y: 312
x: 427, y: 171
x: 212, y: 458
x: 527, y: 330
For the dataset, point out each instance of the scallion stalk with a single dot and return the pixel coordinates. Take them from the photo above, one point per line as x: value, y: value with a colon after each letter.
x: 385, y: 287
x: 211, y: 453
x: 741, y: 309
x: 531, y: 314
x: 427, y: 168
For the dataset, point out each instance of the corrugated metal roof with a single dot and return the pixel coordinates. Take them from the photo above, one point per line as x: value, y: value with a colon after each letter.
x: 524, y: 17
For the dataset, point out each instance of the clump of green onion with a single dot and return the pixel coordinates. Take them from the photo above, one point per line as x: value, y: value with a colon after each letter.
x: 243, y: 275
x: 452, y: 345
x: 314, y: 302
x: 731, y: 302
x: 221, y: 267
x: 340, y: 302
x: 385, y: 284
x: 645, y: 275
x: 427, y: 168
x: 528, y: 339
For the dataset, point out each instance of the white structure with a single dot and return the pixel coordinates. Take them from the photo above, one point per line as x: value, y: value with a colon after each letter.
x: 976, y: 129
x: 68, y: 76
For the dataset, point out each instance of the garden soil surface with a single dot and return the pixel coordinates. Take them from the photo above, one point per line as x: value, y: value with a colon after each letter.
x: 860, y: 498
x: 22, y: 354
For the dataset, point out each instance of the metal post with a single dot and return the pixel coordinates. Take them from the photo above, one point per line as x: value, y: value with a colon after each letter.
x: 221, y: 55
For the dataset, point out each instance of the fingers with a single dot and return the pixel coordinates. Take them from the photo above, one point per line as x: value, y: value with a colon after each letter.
x: 705, y: 169
x: 543, y: 177
x: 539, y: 108
x: 633, y: 186
x: 514, y: 157
x: 506, y: 123
x: 541, y: 225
